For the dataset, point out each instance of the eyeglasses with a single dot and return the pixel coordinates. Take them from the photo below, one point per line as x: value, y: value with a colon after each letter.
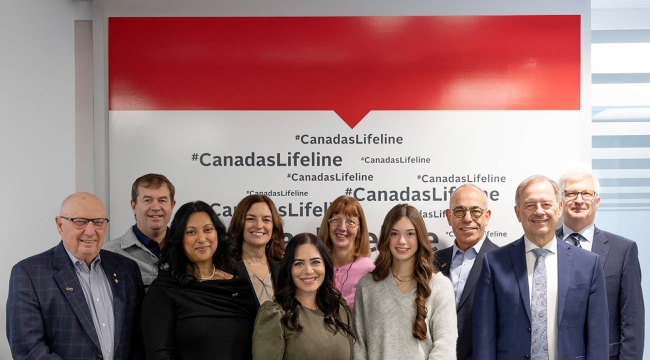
x: 586, y: 194
x: 81, y: 223
x: 348, y: 222
x: 475, y: 212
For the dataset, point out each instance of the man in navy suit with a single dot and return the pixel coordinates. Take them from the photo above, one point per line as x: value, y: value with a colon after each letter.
x: 75, y: 301
x: 468, y: 216
x: 538, y: 298
x: 620, y: 259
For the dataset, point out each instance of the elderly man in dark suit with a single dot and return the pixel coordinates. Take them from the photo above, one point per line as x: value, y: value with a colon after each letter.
x: 537, y: 297
x: 620, y: 259
x: 75, y: 301
x: 468, y: 216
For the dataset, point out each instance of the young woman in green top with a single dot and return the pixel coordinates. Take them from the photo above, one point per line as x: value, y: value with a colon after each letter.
x: 308, y: 319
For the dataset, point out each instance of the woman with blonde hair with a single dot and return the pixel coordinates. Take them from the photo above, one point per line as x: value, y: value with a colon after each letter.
x: 344, y: 231
x: 405, y: 308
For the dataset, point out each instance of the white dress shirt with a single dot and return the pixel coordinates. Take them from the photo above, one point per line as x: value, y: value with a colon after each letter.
x: 587, y: 233
x: 550, y: 260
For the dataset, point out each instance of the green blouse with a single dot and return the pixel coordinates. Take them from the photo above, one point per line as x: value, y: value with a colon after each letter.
x: 317, y: 341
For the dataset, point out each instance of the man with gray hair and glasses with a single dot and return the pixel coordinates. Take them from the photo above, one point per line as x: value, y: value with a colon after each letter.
x: 468, y: 215
x: 618, y: 255
x: 76, y: 301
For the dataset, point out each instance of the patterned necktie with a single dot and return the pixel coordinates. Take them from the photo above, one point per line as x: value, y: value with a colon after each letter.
x: 538, y: 311
x: 576, y: 239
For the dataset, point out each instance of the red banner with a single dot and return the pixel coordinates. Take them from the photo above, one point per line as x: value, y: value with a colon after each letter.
x: 351, y: 65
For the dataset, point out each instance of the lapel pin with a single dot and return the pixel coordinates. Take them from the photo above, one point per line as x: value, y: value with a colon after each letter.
x: 69, y: 289
x: 445, y: 264
x: 114, y: 274
x: 235, y: 294
x: 116, y: 281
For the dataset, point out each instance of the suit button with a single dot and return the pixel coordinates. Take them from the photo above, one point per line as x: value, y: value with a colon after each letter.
x: 529, y: 330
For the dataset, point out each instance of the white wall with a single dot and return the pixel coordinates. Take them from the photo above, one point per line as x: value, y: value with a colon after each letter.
x: 37, y: 129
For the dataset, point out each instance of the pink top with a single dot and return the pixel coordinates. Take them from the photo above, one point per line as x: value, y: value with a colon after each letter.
x: 347, y: 276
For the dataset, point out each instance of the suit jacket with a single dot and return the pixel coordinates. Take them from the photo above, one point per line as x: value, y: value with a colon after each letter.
x: 502, y: 326
x: 620, y: 259
x: 47, y: 313
x: 464, y: 309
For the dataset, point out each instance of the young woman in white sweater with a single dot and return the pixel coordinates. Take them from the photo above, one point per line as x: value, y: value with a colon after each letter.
x: 405, y: 308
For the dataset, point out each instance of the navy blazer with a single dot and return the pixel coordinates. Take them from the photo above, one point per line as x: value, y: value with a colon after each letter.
x: 502, y: 327
x: 620, y: 259
x: 464, y: 309
x: 47, y: 313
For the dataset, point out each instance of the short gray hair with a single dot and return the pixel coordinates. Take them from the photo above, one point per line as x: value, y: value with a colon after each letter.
x: 533, y: 180
x: 579, y: 173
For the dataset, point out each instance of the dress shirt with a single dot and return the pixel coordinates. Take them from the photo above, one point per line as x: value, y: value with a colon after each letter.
x: 461, y: 265
x: 99, y: 298
x: 587, y: 233
x: 148, y: 242
x: 551, y: 288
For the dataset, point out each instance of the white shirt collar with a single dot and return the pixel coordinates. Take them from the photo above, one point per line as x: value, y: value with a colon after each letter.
x: 587, y: 232
x: 551, y: 246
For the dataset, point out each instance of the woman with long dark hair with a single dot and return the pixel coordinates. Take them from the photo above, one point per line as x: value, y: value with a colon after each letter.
x: 405, y: 308
x: 308, y: 319
x: 256, y: 227
x: 344, y: 231
x: 197, y: 308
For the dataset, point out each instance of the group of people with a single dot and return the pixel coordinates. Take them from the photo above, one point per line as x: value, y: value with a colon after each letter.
x: 199, y: 290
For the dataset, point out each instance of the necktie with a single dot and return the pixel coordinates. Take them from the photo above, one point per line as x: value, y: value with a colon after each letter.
x: 576, y: 239
x: 538, y: 311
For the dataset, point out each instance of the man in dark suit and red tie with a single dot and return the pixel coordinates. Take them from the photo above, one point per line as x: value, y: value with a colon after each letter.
x: 620, y: 259
x: 540, y: 298
x: 76, y: 301
x: 468, y: 215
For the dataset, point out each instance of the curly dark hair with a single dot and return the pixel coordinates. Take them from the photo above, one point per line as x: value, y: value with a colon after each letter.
x: 423, y: 269
x: 173, y: 257
x: 275, y: 246
x: 328, y: 298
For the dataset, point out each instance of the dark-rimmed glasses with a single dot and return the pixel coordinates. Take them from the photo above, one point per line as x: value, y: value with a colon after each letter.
x: 475, y: 212
x: 81, y: 223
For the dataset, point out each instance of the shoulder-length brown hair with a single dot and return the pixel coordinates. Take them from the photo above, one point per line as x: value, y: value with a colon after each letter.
x: 275, y: 246
x: 423, y: 269
x: 350, y: 207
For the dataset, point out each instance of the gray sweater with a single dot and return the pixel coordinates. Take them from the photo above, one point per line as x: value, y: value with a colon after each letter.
x: 384, y: 319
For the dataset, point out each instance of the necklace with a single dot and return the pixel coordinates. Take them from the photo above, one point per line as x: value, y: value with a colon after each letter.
x: 401, y: 281
x: 214, y: 270
x: 347, y: 273
x: 254, y: 264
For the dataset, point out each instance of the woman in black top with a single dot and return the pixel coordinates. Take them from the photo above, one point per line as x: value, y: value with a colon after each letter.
x: 198, y: 308
x: 256, y: 227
